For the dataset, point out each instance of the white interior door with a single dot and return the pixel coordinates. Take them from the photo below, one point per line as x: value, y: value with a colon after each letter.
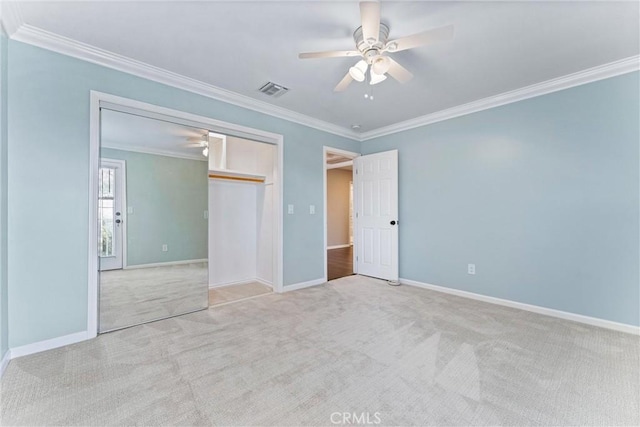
x: 110, y: 213
x: 376, y: 181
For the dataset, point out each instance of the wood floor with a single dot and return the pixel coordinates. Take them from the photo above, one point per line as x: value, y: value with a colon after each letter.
x: 339, y: 262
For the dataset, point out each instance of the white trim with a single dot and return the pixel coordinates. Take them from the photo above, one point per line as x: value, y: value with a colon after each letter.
x: 11, y: 17
x: 52, y: 343
x: 5, y: 362
x: 47, y: 40
x: 153, y: 151
x: 589, y: 75
x: 214, y: 306
x: 164, y: 264
x: 338, y: 246
x: 25, y: 33
x: 114, y: 102
x: 264, y: 282
x: 302, y: 285
x: 339, y: 165
x: 94, y: 166
x: 233, y: 283
x: 593, y: 321
x: 325, y: 167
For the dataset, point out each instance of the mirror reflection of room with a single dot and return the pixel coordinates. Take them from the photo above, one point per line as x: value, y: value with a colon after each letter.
x: 153, y: 220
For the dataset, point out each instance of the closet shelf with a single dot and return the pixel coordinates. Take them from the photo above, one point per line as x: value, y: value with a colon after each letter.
x: 233, y: 175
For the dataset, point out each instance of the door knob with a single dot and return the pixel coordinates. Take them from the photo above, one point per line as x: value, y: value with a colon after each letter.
x: 118, y: 221
x: 392, y: 223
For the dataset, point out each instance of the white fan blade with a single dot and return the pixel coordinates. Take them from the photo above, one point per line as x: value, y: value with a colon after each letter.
x: 370, y: 16
x: 421, y: 39
x: 398, y: 72
x: 328, y: 54
x: 344, y: 83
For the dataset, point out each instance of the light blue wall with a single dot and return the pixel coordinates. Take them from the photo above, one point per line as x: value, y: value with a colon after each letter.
x: 4, y: 332
x: 169, y: 197
x: 542, y: 195
x: 48, y: 183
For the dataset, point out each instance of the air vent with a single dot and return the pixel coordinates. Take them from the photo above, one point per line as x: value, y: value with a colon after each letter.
x: 274, y: 90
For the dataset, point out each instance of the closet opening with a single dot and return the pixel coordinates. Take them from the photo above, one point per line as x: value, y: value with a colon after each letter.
x: 234, y: 201
x: 241, y: 206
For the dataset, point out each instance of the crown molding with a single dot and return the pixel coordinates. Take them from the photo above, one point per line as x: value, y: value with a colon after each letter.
x: 47, y: 40
x: 153, y: 151
x: 19, y: 31
x: 10, y: 17
x: 589, y: 75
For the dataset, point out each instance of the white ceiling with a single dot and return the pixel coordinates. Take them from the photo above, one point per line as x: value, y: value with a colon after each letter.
x: 239, y: 46
x: 136, y: 133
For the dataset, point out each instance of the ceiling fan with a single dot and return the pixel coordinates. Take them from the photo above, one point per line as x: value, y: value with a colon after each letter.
x: 372, y: 44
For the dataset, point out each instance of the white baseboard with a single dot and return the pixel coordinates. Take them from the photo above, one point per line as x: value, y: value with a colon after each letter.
x: 338, y: 246
x: 237, y: 282
x: 39, y: 346
x: 5, y: 361
x: 165, y: 264
x: 593, y: 321
x: 302, y: 285
x: 264, y: 282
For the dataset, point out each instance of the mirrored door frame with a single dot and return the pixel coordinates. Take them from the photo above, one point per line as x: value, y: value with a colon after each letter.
x: 99, y: 100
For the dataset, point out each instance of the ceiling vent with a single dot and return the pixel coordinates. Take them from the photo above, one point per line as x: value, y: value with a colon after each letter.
x: 274, y: 90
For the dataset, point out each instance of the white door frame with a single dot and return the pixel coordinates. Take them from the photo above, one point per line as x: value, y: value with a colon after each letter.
x: 122, y: 189
x: 98, y: 100
x: 352, y: 155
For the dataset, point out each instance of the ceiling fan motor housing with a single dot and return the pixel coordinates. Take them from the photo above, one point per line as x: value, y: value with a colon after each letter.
x: 368, y: 50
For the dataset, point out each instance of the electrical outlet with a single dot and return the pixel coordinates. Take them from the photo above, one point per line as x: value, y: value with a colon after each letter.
x: 312, y: 209
x: 290, y: 209
x: 471, y: 268
x: 165, y: 248
x: 129, y: 210
x: 206, y: 214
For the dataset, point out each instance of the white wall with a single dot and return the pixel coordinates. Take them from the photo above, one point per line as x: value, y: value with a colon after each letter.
x: 232, y: 232
x: 241, y: 217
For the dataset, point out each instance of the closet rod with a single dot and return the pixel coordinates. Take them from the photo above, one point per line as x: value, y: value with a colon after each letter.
x: 237, y: 178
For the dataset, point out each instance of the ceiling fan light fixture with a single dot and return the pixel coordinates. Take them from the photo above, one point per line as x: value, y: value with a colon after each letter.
x: 376, y: 78
x: 380, y: 65
x: 358, y: 71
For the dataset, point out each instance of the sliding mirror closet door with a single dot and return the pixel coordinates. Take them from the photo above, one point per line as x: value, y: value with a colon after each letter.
x: 153, y: 220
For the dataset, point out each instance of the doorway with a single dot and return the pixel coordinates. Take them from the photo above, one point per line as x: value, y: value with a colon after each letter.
x: 339, y: 213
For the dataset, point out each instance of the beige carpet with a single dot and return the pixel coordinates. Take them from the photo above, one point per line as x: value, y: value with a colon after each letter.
x: 356, y: 345
x: 139, y: 295
x: 227, y: 294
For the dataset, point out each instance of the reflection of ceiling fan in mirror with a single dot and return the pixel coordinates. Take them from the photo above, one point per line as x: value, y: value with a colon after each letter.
x: 199, y: 142
x: 372, y: 44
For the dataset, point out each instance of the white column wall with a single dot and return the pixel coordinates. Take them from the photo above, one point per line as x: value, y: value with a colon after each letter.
x: 232, y: 232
